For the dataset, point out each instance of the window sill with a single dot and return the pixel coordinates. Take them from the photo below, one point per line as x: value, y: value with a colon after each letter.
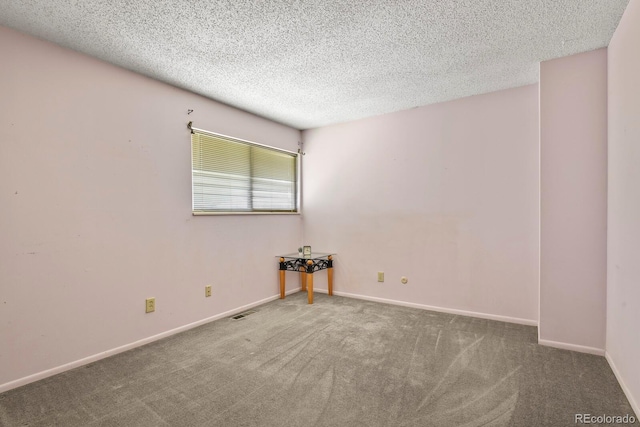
x: 242, y: 213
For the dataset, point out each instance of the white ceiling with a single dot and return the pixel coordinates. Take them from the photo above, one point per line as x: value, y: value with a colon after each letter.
x: 310, y: 63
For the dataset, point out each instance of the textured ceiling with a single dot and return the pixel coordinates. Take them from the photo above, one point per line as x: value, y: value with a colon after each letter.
x: 310, y: 63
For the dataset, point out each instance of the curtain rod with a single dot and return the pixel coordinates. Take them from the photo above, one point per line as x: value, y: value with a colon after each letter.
x: 231, y: 138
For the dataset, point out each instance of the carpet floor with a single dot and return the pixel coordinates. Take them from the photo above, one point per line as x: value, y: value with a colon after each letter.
x: 338, y: 362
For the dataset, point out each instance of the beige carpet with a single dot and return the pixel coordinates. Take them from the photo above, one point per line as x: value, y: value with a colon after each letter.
x: 338, y: 362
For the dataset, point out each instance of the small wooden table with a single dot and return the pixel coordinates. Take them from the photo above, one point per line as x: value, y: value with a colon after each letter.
x: 306, y: 265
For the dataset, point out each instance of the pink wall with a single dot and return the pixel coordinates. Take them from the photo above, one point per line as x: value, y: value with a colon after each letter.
x: 446, y: 195
x: 95, y: 211
x: 573, y: 201
x: 623, y: 278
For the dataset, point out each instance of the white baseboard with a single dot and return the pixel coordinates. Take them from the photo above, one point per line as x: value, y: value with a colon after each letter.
x: 528, y: 322
x: 507, y: 319
x: 71, y: 365
x: 572, y: 347
x: 625, y: 389
x: 62, y: 368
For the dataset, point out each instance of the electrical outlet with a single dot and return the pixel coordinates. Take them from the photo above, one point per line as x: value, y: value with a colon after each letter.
x: 380, y: 276
x: 150, y: 305
x: 207, y: 291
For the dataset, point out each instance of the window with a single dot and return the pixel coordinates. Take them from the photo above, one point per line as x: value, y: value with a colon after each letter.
x: 235, y: 176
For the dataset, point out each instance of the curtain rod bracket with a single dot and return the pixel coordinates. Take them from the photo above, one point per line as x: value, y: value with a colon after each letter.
x: 189, y: 126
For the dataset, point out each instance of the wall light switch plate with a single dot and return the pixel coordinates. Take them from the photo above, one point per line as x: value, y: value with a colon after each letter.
x: 380, y: 276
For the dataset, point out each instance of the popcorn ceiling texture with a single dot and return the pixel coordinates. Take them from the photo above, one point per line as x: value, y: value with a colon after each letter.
x: 313, y: 63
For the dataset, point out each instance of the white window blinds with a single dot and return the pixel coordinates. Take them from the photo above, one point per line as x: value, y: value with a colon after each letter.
x: 231, y: 175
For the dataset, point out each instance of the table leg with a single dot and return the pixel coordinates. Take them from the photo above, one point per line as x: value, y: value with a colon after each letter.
x: 282, y: 271
x: 303, y: 278
x: 309, y: 276
x: 330, y: 275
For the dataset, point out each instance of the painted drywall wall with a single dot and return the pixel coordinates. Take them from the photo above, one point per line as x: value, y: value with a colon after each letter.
x: 623, y: 272
x: 95, y: 211
x: 446, y: 195
x: 573, y: 201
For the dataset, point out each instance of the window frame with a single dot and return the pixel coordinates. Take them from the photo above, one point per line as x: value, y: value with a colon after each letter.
x: 298, y: 174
